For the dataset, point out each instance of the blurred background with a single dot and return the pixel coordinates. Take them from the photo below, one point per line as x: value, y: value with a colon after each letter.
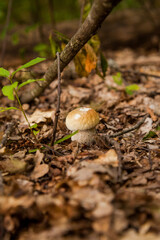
x: 39, y: 28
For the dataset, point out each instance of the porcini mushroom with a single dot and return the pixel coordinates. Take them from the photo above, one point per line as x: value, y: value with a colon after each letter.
x: 85, y: 120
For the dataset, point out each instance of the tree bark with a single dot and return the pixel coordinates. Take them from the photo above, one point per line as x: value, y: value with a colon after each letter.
x: 99, y: 11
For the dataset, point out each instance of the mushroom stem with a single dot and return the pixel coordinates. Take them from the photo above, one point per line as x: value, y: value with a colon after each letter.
x: 85, y: 136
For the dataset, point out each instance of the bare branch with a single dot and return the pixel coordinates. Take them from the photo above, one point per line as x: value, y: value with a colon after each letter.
x: 99, y: 11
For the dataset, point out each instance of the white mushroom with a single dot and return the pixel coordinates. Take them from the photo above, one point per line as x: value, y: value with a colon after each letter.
x: 85, y: 120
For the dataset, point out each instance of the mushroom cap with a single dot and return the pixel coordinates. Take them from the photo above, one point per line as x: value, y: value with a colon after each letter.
x: 82, y: 118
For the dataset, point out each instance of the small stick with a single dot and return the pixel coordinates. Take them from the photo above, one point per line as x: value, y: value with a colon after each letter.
x: 7, y: 133
x: 58, y: 101
x: 130, y: 129
x: 140, y: 73
x: 118, y: 151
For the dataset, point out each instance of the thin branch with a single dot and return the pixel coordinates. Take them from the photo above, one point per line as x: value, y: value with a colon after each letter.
x: 58, y: 102
x: 136, y: 126
x: 6, y: 30
x: 138, y: 73
x: 99, y: 11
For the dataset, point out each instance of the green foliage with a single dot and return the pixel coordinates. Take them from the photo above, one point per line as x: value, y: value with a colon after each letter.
x: 29, y: 81
x: 66, y: 137
x: 54, y: 46
x: 8, y: 90
x: 151, y: 134
x: 29, y: 64
x: 128, y: 89
x: 3, y: 109
x: 131, y: 89
x: 4, y: 72
x: 118, y: 78
x: 158, y: 128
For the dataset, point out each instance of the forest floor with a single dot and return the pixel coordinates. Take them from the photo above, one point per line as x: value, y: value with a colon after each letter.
x: 78, y: 191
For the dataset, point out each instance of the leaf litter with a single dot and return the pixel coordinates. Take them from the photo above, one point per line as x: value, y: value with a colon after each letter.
x: 75, y: 193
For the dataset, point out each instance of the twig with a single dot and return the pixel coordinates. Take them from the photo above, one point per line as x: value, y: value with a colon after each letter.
x: 6, y: 29
x: 139, y: 73
x: 6, y: 134
x: 118, y: 151
x: 58, y: 101
x: 117, y: 145
x: 129, y: 129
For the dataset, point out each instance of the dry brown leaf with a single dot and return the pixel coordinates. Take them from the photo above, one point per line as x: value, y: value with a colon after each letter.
x: 147, y: 126
x: 13, y: 165
x: 40, y: 171
x: 133, y: 235
x: 110, y: 158
x: 79, y: 92
x: 38, y: 116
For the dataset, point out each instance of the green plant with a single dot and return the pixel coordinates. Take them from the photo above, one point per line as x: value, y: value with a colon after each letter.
x: 130, y: 89
x: 11, y: 90
x: 118, y: 78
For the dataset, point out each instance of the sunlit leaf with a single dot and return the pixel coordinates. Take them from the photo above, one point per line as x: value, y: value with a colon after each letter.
x: 34, y: 125
x: 4, y: 72
x: 118, y: 79
x: 66, y: 137
x: 29, y: 81
x: 36, y: 132
x: 131, y: 89
x: 29, y: 64
x: 8, y: 90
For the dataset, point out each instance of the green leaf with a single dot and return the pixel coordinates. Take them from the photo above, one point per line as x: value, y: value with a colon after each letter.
x: 151, y: 134
x: 2, y: 109
x: 118, y: 78
x: 34, y: 125
x: 29, y: 81
x: 66, y: 137
x: 104, y: 64
x: 8, y: 90
x: 35, y: 132
x: 131, y: 89
x: 158, y: 128
x: 33, y: 150
x: 4, y: 72
x: 29, y: 64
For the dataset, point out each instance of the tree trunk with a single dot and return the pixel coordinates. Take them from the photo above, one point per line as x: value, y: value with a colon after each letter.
x: 99, y: 11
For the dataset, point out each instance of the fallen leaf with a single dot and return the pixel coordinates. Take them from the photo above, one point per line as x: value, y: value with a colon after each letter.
x: 39, y: 171
x: 146, y: 126
x: 38, y: 116
x: 13, y: 165
x: 110, y: 158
